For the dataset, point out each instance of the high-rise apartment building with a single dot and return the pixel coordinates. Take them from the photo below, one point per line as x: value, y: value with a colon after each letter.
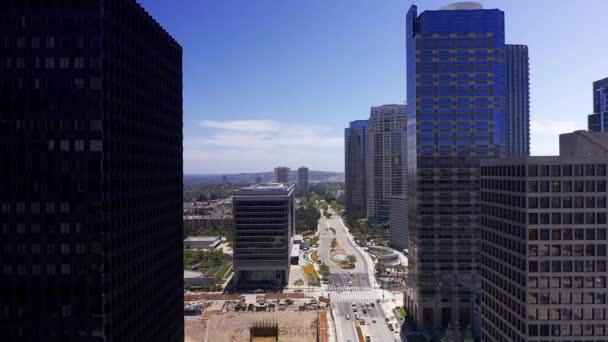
x: 91, y: 192
x: 543, y: 244
x: 264, y: 225
x: 303, y: 180
x: 355, y: 149
x: 457, y: 115
x: 397, y: 227
x: 386, y: 170
x: 281, y: 174
x: 598, y: 121
x: 518, y: 100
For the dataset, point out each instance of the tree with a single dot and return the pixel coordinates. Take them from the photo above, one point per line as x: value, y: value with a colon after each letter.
x: 334, y: 243
x: 380, y: 268
x: 351, y: 259
x: 324, y: 271
x: 468, y: 335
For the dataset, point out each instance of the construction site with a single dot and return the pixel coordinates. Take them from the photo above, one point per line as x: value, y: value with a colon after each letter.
x: 273, y: 317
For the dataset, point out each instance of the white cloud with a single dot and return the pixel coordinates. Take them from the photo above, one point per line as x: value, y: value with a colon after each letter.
x: 545, y: 135
x: 258, y: 145
x: 242, y: 125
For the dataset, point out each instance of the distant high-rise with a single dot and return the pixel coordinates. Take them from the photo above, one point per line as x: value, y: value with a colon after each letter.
x: 281, y: 174
x: 91, y: 168
x: 303, y: 180
x: 598, y: 121
x: 543, y: 244
x: 457, y: 115
x: 258, y: 179
x: 224, y: 179
x: 386, y: 170
x: 264, y: 224
x: 355, y: 149
x: 518, y: 98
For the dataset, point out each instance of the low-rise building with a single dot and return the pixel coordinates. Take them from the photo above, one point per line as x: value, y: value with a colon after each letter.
x: 202, y: 242
x: 197, y: 280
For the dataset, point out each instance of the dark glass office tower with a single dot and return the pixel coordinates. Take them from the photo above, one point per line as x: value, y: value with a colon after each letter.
x: 457, y: 116
x: 597, y: 121
x: 355, y: 148
x: 518, y: 99
x: 91, y: 191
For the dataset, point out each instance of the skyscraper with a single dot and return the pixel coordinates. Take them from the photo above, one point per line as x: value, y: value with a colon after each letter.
x: 303, y: 180
x: 264, y: 225
x: 457, y: 115
x: 543, y: 244
x: 355, y: 149
x: 91, y: 191
x: 281, y: 174
x: 397, y: 229
x: 386, y: 170
x: 518, y: 100
x: 598, y: 121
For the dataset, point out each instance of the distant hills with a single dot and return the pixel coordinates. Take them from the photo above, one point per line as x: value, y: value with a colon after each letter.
x: 249, y: 178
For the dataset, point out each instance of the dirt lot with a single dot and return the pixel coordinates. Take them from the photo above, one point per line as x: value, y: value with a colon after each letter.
x: 234, y: 326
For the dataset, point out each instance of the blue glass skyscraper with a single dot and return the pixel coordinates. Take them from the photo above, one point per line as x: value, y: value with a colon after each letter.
x: 598, y: 121
x: 457, y: 115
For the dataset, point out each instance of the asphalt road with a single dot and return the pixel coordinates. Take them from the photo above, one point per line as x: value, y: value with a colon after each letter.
x: 344, y: 295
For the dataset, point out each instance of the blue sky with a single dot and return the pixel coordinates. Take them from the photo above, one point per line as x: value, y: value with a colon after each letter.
x: 274, y: 82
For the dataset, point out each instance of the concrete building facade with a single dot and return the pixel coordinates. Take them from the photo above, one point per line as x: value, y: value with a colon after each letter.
x: 264, y: 225
x: 91, y: 167
x: 355, y: 151
x: 386, y: 169
x: 598, y: 121
x: 303, y: 181
x: 281, y: 174
x: 397, y: 226
x: 543, y: 245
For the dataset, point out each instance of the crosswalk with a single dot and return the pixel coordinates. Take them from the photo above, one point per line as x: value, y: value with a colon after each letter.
x: 348, y: 288
x: 354, y: 300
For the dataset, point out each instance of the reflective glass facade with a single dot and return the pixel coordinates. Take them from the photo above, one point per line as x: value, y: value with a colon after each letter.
x: 598, y: 121
x: 457, y: 116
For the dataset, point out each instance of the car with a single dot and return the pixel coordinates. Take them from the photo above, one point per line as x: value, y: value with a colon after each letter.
x: 362, y: 322
x: 373, y: 320
x: 347, y: 316
x: 355, y: 309
x: 377, y: 300
x: 387, y: 320
x: 373, y: 305
x: 390, y: 327
x: 354, y: 305
x: 368, y: 339
x: 364, y: 311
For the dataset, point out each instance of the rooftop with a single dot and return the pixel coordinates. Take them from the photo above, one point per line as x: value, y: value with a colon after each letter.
x: 202, y: 238
x: 265, y: 189
x: 192, y: 274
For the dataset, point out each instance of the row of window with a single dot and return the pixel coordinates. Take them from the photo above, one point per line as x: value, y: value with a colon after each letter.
x: 559, y: 266
x: 50, y: 62
x: 589, y: 282
x: 35, y: 207
x: 566, y: 170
